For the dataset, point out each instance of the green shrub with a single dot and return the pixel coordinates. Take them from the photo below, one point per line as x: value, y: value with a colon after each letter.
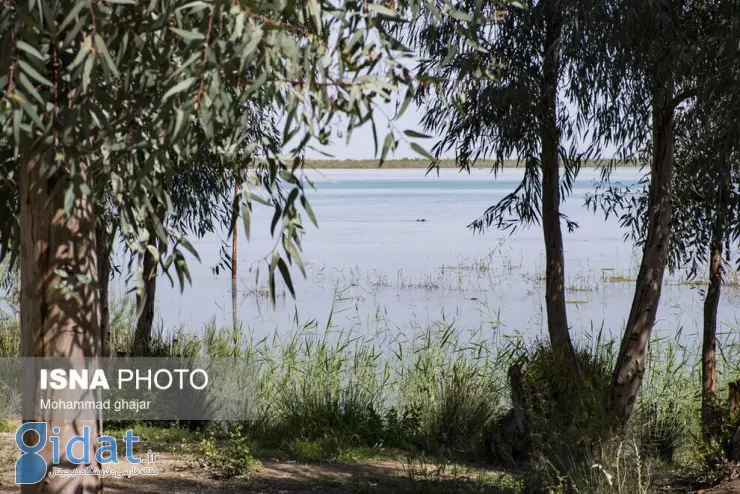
x: 402, y: 427
x: 228, y: 456
x: 565, y: 414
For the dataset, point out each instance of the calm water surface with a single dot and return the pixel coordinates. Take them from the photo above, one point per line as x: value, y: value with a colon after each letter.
x: 371, y: 264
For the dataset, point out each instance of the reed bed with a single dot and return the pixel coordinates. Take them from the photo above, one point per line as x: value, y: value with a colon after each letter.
x: 442, y: 390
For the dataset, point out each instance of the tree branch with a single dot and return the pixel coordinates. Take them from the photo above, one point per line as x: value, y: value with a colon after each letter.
x: 677, y: 100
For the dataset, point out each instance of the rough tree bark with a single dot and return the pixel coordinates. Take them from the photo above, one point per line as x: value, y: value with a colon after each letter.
x: 557, y: 319
x: 104, y: 246
x: 633, y: 350
x: 55, y: 322
x: 711, y: 304
x: 145, y: 301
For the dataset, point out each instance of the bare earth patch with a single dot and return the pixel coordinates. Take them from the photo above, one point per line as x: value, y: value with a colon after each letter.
x: 179, y: 473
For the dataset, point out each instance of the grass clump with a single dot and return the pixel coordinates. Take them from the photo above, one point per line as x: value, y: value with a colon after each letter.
x: 228, y: 455
x: 663, y: 429
x: 10, y: 335
x: 610, y: 467
x: 458, y: 411
x: 565, y: 413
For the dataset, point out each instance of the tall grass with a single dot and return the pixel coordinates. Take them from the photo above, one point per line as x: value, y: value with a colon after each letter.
x: 442, y: 390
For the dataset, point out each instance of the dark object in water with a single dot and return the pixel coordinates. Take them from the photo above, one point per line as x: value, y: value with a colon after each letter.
x: 423, y: 219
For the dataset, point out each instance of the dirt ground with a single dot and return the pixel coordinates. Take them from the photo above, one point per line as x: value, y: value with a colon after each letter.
x: 180, y: 474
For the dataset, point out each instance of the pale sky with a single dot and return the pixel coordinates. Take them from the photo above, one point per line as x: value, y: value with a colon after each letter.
x: 361, y: 145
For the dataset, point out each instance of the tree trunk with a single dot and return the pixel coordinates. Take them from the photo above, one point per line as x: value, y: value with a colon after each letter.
x: 234, y: 252
x: 56, y: 322
x: 711, y: 305
x: 234, y: 235
x: 557, y: 319
x: 709, y: 346
x: 733, y: 403
x: 145, y: 302
x: 633, y: 350
x: 104, y: 247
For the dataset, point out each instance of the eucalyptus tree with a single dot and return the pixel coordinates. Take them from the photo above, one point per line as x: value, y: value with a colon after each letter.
x: 658, y: 53
x: 108, y: 91
x: 708, y: 202
x: 202, y: 205
x: 516, y: 109
x: 705, y: 220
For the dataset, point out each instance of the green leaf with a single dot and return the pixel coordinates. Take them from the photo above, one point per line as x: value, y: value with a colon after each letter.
x: 253, y: 42
x: 406, y: 102
x: 154, y: 252
x: 84, y: 52
x: 179, y: 87
x: 185, y: 243
x: 196, y: 6
x: 22, y: 45
x: 17, y: 118
x: 106, y: 56
x: 72, y: 14
x: 33, y: 74
x: 387, y: 143
x: 179, y: 120
x: 286, y: 276
x: 422, y: 151
x: 28, y: 86
x: 86, y: 71
x: 246, y: 218
x: 294, y: 254
x: 271, y: 281
x: 259, y: 200
x: 416, y: 134
x: 309, y: 211
x: 460, y: 16
x: 30, y: 110
x: 188, y: 35
x: 257, y: 84
x: 382, y: 10
x: 69, y: 199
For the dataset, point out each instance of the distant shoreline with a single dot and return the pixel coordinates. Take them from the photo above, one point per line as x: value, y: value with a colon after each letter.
x: 424, y: 164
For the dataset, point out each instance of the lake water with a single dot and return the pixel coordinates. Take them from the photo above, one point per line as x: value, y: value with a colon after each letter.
x: 371, y: 264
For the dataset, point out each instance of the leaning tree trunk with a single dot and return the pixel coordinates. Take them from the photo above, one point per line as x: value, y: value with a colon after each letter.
x: 145, y: 301
x: 56, y: 322
x: 709, y: 346
x: 557, y: 319
x: 633, y: 350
